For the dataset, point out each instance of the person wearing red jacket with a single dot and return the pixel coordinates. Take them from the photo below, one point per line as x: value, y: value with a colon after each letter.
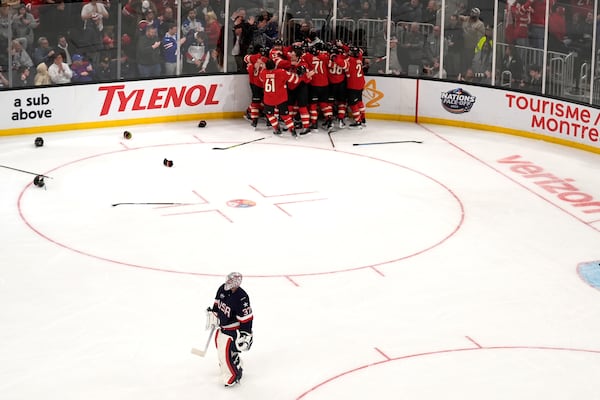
x: 298, y: 93
x: 337, y: 79
x: 319, y: 88
x: 355, y: 83
x: 254, y: 64
x: 276, y: 95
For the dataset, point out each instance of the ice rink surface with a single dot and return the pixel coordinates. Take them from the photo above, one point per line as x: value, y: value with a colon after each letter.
x: 447, y: 269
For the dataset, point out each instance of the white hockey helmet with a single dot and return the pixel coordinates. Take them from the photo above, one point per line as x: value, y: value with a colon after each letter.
x: 234, y: 280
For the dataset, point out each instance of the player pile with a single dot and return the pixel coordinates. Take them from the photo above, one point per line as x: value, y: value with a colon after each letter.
x: 298, y: 84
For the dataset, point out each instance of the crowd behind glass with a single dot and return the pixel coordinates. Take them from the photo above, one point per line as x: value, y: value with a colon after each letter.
x: 540, y: 46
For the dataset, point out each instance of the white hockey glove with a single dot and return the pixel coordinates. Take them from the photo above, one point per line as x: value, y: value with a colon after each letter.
x: 243, y: 341
x: 211, y: 319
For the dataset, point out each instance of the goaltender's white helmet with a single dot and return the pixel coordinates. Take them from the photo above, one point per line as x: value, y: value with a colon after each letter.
x: 234, y: 280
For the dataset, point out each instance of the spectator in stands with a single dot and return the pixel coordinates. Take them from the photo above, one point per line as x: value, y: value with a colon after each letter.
x: 104, y: 72
x: 41, y: 76
x: 433, y: 70
x: 4, y: 83
x: 150, y: 18
x: 272, y: 29
x: 323, y: 9
x: 580, y: 34
x: 468, y: 76
x: 455, y: 43
x: 431, y: 13
x: 59, y: 71
x: 212, y: 29
x: 521, y: 11
x: 63, y: 47
x: 533, y: 82
x: 302, y: 9
x: 482, y: 63
x: 147, y: 6
x: 5, y: 22
x: 218, y: 7
x: 203, y: 9
x: 43, y: 52
x: 409, y: 11
x: 166, y: 19
x: 148, y: 53
x: 128, y: 71
x: 132, y: 13
x: 537, y: 26
x: 413, y: 50
x: 214, y: 63
x: 196, y: 54
x: 57, y: 19
x: 557, y: 29
x: 241, y: 38
x: 83, y: 71
x: 512, y: 65
x: 433, y: 46
x: 93, y: 14
x: 378, y: 65
x: 473, y: 30
x: 20, y: 57
x: 170, y: 49
x: 191, y: 24
x: 366, y: 12
x: 23, y: 25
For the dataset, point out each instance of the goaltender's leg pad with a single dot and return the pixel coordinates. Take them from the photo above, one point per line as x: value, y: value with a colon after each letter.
x: 229, y: 360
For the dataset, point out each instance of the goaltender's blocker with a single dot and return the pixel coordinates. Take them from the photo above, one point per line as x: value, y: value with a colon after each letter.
x: 231, y: 314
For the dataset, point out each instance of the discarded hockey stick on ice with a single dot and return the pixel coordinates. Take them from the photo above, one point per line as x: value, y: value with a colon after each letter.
x: 239, y: 144
x: 202, y: 353
x: 152, y: 204
x: 399, y: 141
x: 331, y: 139
x: 27, y: 172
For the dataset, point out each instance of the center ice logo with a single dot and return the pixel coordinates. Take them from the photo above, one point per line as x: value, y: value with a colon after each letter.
x: 457, y: 101
x: 241, y: 203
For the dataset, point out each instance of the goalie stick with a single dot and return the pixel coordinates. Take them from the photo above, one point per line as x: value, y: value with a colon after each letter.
x: 202, y: 353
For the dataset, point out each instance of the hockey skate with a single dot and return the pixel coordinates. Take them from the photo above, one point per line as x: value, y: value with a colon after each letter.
x: 341, y: 123
x: 355, y: 125
x: 305, y: 132
x: 277, y: 132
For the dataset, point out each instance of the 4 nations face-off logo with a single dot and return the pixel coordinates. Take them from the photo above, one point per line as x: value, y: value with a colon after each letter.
x: 457, y: 101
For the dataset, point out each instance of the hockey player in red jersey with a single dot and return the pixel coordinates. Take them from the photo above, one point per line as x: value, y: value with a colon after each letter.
x: 231, y: 314
x: 298, y: 93
x: 337, y: 83
x: 276, y: 95
x: 319, y: 87
x: 355, y: 83
x: 254, y: 64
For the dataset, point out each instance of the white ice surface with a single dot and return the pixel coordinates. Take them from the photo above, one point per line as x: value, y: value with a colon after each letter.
x: 414, y: 271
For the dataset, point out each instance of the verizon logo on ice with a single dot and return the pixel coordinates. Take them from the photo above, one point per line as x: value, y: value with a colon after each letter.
x: 563, y: 189
x: 161, y: 97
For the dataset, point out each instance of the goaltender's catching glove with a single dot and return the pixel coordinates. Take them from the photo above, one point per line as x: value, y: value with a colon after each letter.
x: 211, y: 319
x: 243, y: 341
